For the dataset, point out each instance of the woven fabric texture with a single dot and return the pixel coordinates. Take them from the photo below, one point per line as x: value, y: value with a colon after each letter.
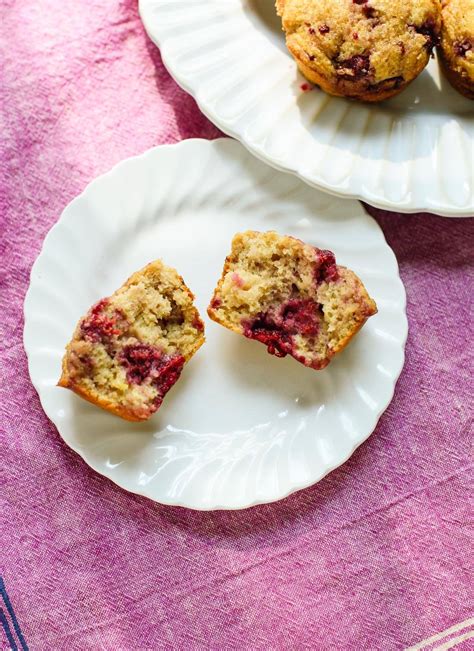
x: 375, y: 556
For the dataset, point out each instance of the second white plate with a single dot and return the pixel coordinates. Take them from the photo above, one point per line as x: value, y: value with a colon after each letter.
x: 240, y: 427
x: 412, y: 153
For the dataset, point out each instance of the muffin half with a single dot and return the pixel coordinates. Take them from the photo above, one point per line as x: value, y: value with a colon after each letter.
x: 129, y: 349
x: 290, y: 296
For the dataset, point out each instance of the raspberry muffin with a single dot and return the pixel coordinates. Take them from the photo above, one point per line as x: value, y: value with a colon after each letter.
x: 457, y: 44
x: 290, y: 296
x: 364, y: 49
x: 129, y: 349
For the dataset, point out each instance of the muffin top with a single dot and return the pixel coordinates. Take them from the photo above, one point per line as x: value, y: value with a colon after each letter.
x: 457, y: 35
x: 355, y: 40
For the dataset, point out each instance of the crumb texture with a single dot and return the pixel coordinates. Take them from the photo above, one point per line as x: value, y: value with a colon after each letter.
x: 457, y: 44
x: 365, y: 49
x: 290, y: 296
x: 129, y: 349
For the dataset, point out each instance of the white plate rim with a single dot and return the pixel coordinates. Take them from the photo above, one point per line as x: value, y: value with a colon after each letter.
x: 159, y: 40
x: 30, y: 352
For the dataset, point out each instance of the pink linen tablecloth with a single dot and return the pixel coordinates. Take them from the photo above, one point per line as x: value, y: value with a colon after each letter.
x: 376, y: 556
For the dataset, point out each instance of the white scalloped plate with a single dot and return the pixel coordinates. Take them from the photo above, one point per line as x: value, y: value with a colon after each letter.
x: 410, y: 154
x: 240, y: 427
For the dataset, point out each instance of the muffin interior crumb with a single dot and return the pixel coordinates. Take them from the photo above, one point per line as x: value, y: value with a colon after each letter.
x: 290, y: 296
x: 130, y: 349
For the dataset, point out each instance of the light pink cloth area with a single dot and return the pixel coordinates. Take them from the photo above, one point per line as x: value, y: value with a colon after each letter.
x: 376, y: 556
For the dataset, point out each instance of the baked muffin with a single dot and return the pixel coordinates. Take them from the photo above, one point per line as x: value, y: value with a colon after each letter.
x: 129, y: 349
x: 364, y: 49
x: 457, y: 44
x: 290, y: 296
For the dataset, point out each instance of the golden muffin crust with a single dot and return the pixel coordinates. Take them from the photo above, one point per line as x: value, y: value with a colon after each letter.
x: 457, y: 44
x: 363, y: 49
x: 130, y: 348
x: 290, y: 296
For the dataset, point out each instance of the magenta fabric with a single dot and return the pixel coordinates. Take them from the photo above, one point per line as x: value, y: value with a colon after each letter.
x: 376, y: 556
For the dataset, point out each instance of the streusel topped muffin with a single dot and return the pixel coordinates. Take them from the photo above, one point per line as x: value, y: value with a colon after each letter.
x: 457, y: 44
x: 364, y: 49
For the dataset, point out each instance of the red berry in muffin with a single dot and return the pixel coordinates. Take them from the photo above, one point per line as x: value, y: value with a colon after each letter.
x: 290, y: 296
x: 129, y: 349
